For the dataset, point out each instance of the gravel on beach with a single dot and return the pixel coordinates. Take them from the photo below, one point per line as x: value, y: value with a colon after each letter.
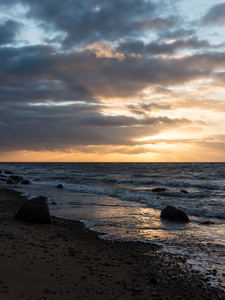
x: 64, y: 260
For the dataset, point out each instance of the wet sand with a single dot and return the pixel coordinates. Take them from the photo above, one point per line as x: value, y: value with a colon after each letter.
x: 64, y: 260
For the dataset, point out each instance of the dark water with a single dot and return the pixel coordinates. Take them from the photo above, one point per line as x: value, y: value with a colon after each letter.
x: 117, y: 199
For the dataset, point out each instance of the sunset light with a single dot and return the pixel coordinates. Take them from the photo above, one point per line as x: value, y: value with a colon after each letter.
x: 111, y: 81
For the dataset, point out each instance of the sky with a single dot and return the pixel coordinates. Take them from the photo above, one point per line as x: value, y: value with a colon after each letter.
x: 112, y: 80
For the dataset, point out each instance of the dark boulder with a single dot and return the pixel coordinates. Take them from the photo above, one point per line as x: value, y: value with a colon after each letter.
x: 174, y: 214
x: 207, y: 222
x: 8, y: 172
x: 158, y: 190
x: 25, y: 181
x: 59, y: 186
x: 16, y: 178
x: 54, y: 203
x: 35, y: 210
x: 184, y: 192
x: 10, y: 181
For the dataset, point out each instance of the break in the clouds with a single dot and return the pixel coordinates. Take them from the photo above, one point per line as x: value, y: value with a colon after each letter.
x: 133, y: 75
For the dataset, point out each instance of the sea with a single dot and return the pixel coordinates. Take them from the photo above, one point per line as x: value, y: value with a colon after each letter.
x: 117, y: 200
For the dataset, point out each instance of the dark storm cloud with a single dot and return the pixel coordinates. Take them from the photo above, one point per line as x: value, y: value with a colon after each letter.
x: 47, y: 128
x: 37, y: 73
x: 36, y: 80
x: 157, y: 48
x: 215, y: 15
x: 32, y: 73
x: 177, y: 33
x: 8, y: 31
x: 88, y: 21
x: 169, y: 48
x: 131, y: 76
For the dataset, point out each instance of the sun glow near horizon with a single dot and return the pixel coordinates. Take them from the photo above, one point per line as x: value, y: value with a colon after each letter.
x: 138, y: 84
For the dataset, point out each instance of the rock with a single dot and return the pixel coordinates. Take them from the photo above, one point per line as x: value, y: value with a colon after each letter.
x: 174, y: 214
x: 154, y: 280
x: 207, y: 222
x: 54, y: 203
x: 59, y: 186
x: 10, y: 181
x: 158, y: 190
x: 8, y: 172
x: 35, y: 210
x: 16, y: 178
x: 184, y: 192
x: 25, y: 181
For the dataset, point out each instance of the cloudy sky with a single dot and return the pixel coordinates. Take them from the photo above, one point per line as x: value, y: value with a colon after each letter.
x: 112, y: 80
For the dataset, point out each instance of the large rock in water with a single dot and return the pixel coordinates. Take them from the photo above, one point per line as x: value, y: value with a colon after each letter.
x: 174, y: 214
x: 35, y: 210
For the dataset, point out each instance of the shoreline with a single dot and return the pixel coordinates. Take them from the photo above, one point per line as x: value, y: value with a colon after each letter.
x: 65, y: 260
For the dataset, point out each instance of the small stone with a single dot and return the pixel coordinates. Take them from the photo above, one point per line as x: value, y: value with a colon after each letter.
x: 158, y: 190
x: 25, y: 181
x: 154, y: 280
x: 184, y: 192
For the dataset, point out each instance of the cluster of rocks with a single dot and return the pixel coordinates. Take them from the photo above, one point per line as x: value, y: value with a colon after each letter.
x: 35, y: 210
x: 10, y: 178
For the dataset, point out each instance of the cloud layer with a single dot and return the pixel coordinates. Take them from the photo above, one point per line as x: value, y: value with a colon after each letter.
x: 107, y: 73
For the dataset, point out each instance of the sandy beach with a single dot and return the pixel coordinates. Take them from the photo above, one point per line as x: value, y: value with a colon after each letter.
x: 64, y: 260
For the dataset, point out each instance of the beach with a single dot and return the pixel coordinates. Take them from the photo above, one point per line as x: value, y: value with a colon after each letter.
x: 65, y: 260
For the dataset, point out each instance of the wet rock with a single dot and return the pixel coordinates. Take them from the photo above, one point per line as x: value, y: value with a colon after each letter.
x: 59, y: 186
x: 174, y: 214
x: 41, y: 198
x: 158, y: 190
x: 8, y: 172
x: 16, y: 178
x: 184, y: 192
x: 55, y: 203
x: 25, y: 181
x: 207, y: 223
x: 35, y: 210
x: 10, y: 181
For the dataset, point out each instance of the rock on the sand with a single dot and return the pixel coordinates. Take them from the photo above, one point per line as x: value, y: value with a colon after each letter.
x: 184, y: 191
x: 158, y: 190
x: 174, y: 214
x: 25, y: 181
x: 16, y: 178
x: 60, y: 186
x: 35, y: 210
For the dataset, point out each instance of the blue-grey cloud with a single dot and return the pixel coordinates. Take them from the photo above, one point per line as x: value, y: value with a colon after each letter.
x: 32, y: 74
x: 8, y: 31
x: 38, y: 81
x: 215, y: 15
x: 49, y: 128
x: 87, y: 21
x: 157, y: 48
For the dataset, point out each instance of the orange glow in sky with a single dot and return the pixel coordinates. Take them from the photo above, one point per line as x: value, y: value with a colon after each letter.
x: 145, y: 82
